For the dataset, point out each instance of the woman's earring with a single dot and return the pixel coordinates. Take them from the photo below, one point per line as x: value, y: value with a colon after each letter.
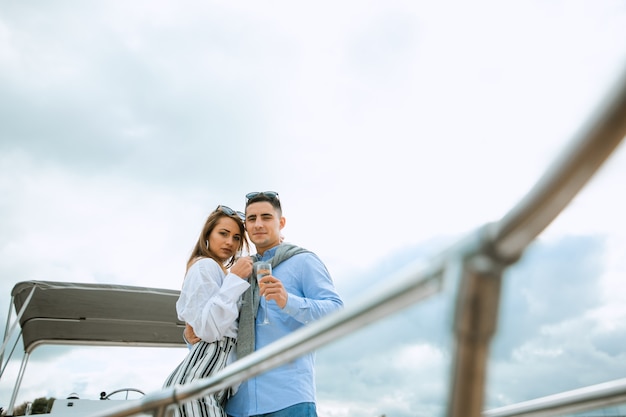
x: 207, y: 244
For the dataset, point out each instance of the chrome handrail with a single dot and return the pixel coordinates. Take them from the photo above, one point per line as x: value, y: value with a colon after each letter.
x: 574, y: 401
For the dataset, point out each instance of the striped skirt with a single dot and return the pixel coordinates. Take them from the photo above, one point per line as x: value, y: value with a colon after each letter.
x: 203, y: 360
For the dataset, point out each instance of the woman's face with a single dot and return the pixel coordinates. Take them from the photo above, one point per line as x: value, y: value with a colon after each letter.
x: 225, y: 238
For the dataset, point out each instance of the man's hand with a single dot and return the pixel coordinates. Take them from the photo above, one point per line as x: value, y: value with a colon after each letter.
x: 272, y: 289
x: 190, y: 335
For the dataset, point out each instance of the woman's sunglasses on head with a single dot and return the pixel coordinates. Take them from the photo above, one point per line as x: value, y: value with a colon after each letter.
x: 230, y: 212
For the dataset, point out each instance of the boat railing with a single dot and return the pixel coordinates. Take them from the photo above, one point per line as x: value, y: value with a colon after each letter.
x: 471, y: 272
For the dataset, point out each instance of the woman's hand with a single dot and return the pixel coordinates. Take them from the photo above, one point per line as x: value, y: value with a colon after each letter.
x: 190, y: 335
x: 242, y: 267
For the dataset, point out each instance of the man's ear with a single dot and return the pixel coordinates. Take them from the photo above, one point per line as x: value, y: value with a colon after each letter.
x: 282, y: 222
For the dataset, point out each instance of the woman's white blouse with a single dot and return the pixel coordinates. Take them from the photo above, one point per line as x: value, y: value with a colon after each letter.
x: 210, y: 300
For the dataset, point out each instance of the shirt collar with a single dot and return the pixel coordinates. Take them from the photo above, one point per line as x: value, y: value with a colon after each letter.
x: 269, y: 253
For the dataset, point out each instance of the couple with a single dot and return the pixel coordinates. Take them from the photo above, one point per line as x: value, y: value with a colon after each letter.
x: 218, y: 286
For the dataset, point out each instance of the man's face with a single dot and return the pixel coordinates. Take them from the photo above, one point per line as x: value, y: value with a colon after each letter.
x: 263, y: 225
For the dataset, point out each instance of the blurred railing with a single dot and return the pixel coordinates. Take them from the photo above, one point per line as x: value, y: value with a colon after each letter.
x: 472, y: 271
x: 583, y: 399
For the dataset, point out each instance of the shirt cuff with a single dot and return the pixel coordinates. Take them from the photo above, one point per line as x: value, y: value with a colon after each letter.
x: 293, y: 305
x: 234, y: 286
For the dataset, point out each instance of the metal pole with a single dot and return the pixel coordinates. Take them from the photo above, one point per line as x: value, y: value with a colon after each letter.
x: 18, y: 383
x: 8, y: 333
x: 475, y: 320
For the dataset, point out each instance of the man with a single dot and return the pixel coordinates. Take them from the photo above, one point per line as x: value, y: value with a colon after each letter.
x: 299, y: 290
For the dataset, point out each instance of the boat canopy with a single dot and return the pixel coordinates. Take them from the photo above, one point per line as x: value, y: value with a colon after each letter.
x: 96, y: 314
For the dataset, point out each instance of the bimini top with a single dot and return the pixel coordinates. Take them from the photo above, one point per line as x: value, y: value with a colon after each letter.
x: 96, y: 314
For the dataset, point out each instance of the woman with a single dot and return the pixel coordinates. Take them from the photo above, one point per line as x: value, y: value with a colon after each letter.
x: 210, y: 302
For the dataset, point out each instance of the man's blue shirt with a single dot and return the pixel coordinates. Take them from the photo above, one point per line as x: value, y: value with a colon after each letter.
x: 312, y: 295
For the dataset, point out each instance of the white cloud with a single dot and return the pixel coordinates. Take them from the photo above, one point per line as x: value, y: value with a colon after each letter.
x: 418, y: 357
x: 95, y: 229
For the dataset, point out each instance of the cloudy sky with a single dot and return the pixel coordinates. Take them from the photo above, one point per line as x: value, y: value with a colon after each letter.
x: 390, y: 129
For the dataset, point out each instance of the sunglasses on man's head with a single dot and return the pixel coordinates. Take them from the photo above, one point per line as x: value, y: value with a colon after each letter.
x: 230, y: 212
x: 269, y: 194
